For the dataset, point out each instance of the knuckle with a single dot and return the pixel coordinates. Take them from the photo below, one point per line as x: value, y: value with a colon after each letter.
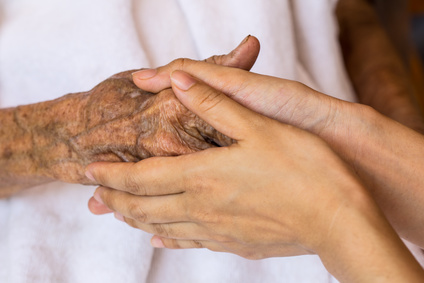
x: 215, y: 59
x: 131, y: 223
x: 171, y: 243
x: 137, y: 213
x: 197, y: 244
x: 161, y: 230
x: 133, y: 184
x: 180, y: 63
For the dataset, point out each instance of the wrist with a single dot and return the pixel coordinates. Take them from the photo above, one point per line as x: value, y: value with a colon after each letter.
x: 49, y: 126
x: 361, y: 246
x: 346, y: 128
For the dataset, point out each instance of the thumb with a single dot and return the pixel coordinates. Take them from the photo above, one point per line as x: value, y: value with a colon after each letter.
x: 243, y: 56
x: 213, y: 106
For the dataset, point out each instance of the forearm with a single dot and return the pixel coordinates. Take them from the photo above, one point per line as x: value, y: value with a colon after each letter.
x: 362, y: 247
x: 377, y: 72
x: 389, y: 158
x: 33, y: 138
x: 17, y: 168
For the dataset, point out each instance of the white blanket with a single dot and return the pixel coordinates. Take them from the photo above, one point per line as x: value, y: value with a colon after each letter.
x: 49, y: 48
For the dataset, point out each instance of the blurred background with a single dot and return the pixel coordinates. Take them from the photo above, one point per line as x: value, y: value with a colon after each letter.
x: 404, y: 22
x: 416, y: 9
x: 416, y: 16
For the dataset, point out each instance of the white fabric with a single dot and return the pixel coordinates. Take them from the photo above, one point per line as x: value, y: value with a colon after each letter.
x: 49, y: 48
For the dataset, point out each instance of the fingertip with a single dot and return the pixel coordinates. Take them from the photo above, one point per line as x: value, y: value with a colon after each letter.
x: 157, y: 242
x: 119, y: 216
x: 97, y: 208
x: 245, y: 55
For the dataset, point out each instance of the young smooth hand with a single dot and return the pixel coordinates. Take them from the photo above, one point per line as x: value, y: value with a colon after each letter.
x: 277, y: 191
x: 387, y: 156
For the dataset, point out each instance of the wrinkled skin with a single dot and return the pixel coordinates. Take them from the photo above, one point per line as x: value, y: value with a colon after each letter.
x: 115, y: 121
x: 125, y: 123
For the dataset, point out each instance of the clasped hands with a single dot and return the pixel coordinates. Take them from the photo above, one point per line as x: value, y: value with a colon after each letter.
x: 277, y: 191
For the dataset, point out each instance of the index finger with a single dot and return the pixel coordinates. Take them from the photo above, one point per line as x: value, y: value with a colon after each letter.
x: 150, y: 177
x: 147, y: 177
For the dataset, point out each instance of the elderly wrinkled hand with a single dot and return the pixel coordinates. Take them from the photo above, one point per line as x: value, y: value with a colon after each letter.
x: 115, y: 121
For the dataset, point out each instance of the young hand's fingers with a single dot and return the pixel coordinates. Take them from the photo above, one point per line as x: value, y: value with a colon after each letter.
x: 142, y: 178
x: 160, y: 242
x: 97, y: 207
x: 218, y: 110
x: 151, y: 209
x: 178, y: 230
x: 243, y: 57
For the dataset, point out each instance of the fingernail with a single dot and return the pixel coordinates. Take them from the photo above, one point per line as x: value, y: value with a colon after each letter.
x: 157, y: 242
x: 245, y: 40
x: 89, y: 176
x: 97, y: 197
x: 119, y: 216
x: 182, y: 80
x: 145, y: 74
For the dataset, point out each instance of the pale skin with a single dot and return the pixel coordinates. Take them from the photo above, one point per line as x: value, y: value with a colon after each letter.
x: 253, y: 198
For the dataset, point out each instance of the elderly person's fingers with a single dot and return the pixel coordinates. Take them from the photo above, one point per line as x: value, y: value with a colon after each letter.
x: 243, y: 56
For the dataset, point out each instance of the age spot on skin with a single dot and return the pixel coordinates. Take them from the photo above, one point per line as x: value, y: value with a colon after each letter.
x: 7, y: 153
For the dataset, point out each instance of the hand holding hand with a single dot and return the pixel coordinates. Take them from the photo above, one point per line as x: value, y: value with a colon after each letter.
x: 277, y: 191
x: 115, y: 121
